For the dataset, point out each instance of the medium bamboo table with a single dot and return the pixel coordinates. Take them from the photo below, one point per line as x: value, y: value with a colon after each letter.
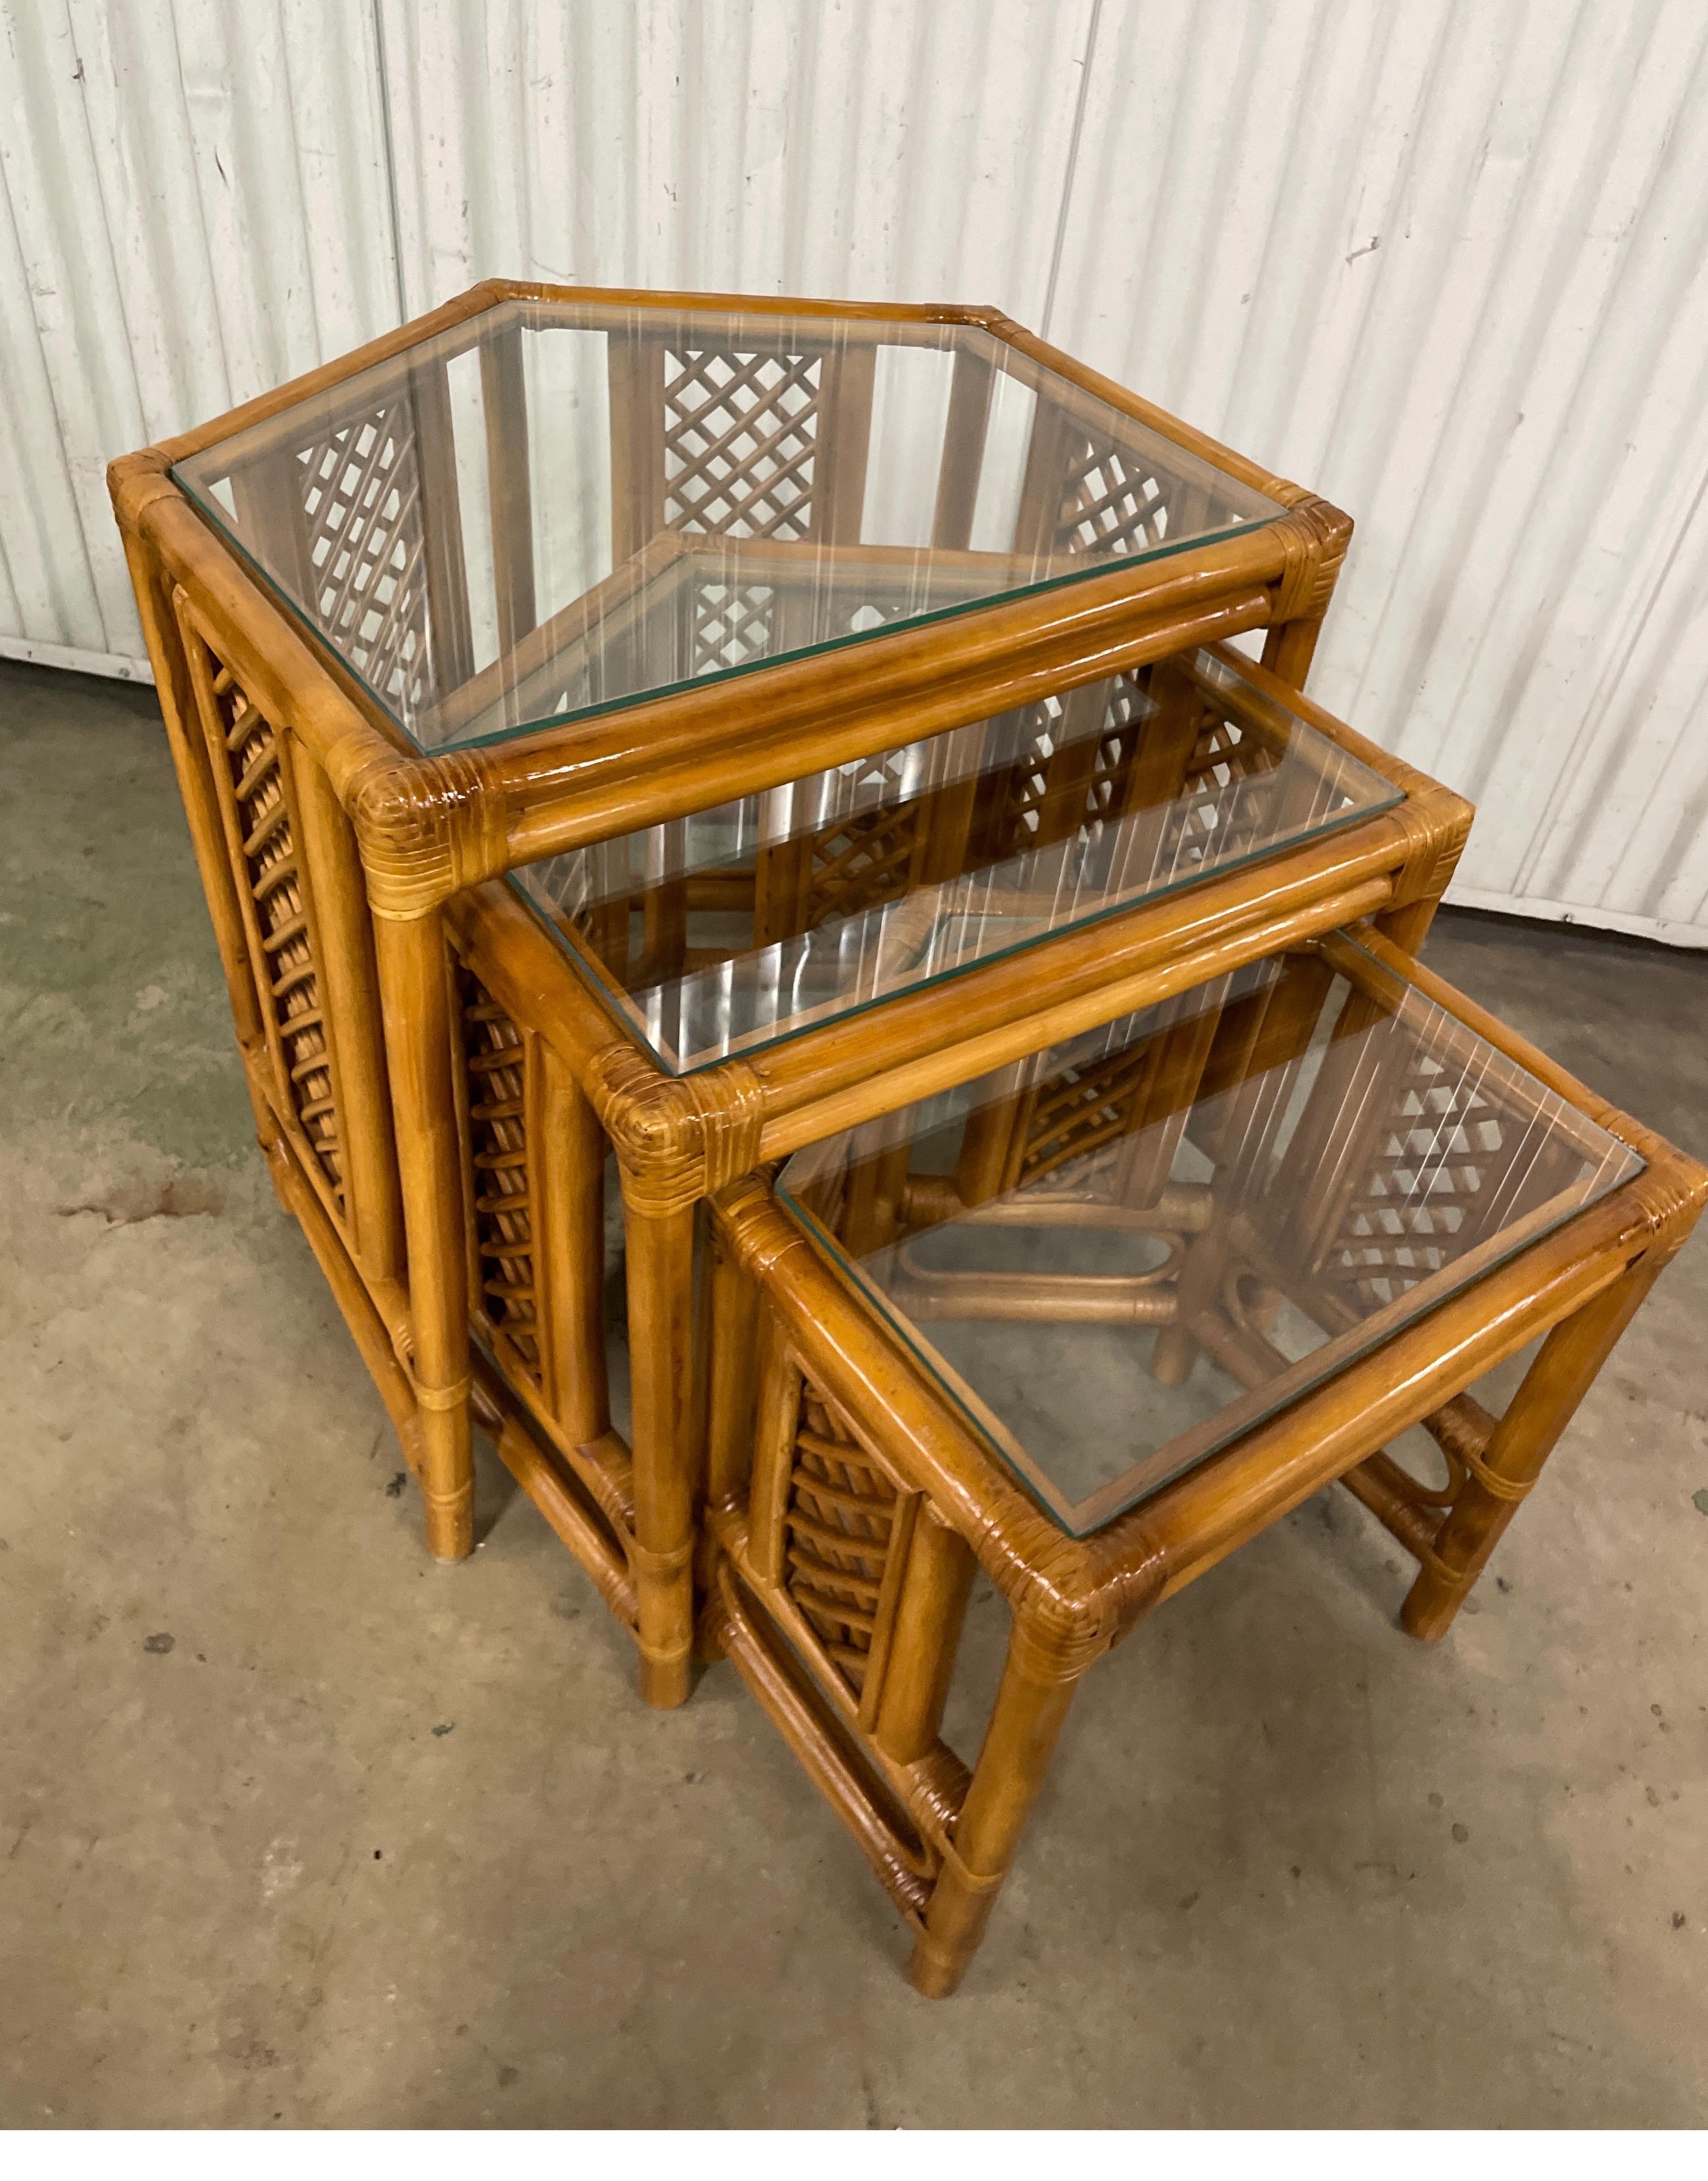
x: 1311, y: 1201
x: 704, y: 998
x: 551, y: 568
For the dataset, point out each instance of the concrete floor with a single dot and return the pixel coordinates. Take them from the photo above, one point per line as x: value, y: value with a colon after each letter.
x: 296, y: 1828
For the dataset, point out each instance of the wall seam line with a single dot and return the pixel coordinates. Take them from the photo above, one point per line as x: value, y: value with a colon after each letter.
x: 393, y: 207
x: 1067, y: 178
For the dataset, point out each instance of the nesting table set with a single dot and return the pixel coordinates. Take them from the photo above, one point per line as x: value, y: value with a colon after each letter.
x: 794, y: 755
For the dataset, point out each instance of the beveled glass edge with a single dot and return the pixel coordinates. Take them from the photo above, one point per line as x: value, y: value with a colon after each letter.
x: 623, y: 1004
x: 1058, y: 1507
x: 659, y: 691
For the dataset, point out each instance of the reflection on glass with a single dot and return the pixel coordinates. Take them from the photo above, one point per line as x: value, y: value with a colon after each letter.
x: 1120, y: 1254
x: 558, y: 506
x: 727, y: 931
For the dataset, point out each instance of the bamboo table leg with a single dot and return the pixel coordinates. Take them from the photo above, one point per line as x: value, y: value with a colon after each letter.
x: 661, y: 1371
x: 1289, y: 648
x: 920, y: 1663
x: 1176, y: 1349
x: 1561, y: 1373
x: 413, y: 976
x: 1026, y: 1722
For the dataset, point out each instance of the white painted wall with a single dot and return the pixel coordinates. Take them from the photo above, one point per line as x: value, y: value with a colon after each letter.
x: 1443, y: 260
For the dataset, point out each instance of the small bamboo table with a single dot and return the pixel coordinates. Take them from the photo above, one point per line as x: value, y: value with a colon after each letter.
x: 1314, y: 1200
x: 554, y: 566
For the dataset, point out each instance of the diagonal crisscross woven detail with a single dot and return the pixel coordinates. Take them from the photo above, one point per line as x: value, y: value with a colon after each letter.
x: 361, y: 490
x: 1440, y: 1177
x: 1116, y: 748
x: 734, y: 624
x: 741, y: 442
x: 1225, y: 804
x: 1111, y: 502
x: 1082, y: 1110
x: 863, y: 860
x: 1025, y: 795
x: 1048, y: 792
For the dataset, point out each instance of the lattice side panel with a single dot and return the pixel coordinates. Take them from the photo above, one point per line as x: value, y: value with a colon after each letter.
x: 503, y: 1208
x: 840, y: 1518
x: 1440, y: 1176
x: 1050, y: 793
x: 1117, y: 746
x: 1226, y: 803
x: 862, y: 860
x: 361, y: 488
x: 742, y: 451
x: 733, y: 625
x: 1083, y: 1111
x: 257, y: 785
x: 1022, y: 796
x: 1113, y: 501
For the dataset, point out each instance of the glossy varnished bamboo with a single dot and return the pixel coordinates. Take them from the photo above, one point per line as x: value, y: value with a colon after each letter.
x: 413, y: 975
x: 401, y: 856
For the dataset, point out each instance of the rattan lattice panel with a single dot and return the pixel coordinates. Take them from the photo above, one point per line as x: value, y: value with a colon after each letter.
x: 1081, y: 1110
x: 840, y: 1519
x: 1437, y: 1181
x: 734, y: 624
x: 360, y: 491
x: 1025, y: 795
x: 1118, y: 747
x: 504, y: 1200
x: 740, y: 447
x: 1058, y: 787
x: 1223, y: 804
x: 862, y: 860
x: 256, y: 791
x: 1112, y: 502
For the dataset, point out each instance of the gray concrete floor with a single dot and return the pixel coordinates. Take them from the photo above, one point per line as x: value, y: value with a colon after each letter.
x: 296, y: 1828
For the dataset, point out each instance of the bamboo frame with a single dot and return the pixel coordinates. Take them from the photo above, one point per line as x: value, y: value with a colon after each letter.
x: 406, y: 848
x: 940, y: 1837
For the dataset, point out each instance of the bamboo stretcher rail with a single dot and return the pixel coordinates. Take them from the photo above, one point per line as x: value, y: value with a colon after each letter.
x: 566, y: 787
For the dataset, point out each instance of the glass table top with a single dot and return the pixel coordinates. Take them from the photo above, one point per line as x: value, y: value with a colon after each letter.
x: 730, y: 931
x: 1119, y: 1256
x: 557, y: 507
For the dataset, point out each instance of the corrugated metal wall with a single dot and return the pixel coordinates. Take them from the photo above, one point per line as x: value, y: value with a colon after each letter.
x: 1443, y: 261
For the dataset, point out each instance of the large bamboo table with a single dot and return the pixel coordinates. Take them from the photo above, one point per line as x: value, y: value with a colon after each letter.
x: 554, y: 567
x: 1091, y: 1323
